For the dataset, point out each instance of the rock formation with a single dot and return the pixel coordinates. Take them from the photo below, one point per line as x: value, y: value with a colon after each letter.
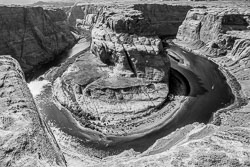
x: 192, y: 145
x: 83, y: 14
x: 164, y: 19
x: 34, y: 36
x: 224, y: 141
x: 25, y: 139
x: 124, y: 83
x: 121, y: 89
x: 214, y: 31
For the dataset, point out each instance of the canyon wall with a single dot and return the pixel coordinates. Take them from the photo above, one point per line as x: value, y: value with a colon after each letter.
x: 163, y: 19
x: 83, y: 14
x: 25, y: 139
x: 215, y: 31
x: 34, y: 36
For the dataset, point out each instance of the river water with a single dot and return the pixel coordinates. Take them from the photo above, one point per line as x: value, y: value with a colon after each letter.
x: 208, y: 93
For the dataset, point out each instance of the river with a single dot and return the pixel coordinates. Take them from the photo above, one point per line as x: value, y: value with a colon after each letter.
x: 208, y: 93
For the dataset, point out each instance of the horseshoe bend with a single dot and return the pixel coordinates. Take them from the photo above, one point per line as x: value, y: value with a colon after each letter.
x: 125, y: 84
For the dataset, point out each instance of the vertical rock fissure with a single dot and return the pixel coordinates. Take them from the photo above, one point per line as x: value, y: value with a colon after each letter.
x: 130, y: 63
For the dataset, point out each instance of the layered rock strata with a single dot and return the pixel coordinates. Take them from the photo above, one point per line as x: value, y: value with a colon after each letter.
x: 224, y: 141
x: 164, y: 19
x: 25, y: 139
x: 215, y: 31
x: 83, y: 14
x: 120, y: 88
x: 34, y: 36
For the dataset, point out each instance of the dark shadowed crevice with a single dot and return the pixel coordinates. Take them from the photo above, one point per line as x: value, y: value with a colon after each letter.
x: 130, y: 63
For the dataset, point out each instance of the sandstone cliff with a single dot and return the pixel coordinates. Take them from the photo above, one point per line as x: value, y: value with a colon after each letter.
x: 215, y: 31
x: 128, y: 74
x: 163, y: 19
x: 83, y: 14
x: 25, y: 139
x: 121, y: 89
x: 98, y: 89
x: 34, y: 36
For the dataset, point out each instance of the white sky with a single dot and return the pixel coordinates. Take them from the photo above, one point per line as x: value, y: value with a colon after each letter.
x: 20, y: 1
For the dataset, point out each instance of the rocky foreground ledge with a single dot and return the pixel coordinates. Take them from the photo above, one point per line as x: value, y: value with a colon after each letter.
x: 25, y: 140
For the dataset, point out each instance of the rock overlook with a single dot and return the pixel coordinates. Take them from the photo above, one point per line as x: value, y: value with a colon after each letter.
x: 25, y: 140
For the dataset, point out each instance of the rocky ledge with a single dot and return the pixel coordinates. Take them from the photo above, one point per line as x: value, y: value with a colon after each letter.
x: 121, y: 88
x: 25, y: 139
x: 33, y: 35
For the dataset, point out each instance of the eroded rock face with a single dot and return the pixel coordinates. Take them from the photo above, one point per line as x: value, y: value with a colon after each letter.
x: 216, y: 144
x: 34, y: 36
x: 118, y: 89
x: 164, y: 19
x: 83, y: 14
x: 214, y: 31
x: 25, y: 139
x: 192, y: 145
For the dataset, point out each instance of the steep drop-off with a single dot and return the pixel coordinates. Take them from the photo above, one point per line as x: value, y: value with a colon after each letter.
x: 33, y: 36
x: 122, y: 88
x: 215, y: 31
x: 103, y: 77
x: 163, y: 19
x: 125, y: 81
x: 83, y: 14
x: 224, y: 141
x: 25, y: 139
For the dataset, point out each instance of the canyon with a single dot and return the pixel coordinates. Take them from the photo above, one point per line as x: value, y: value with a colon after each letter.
x: 124, y: 79
x: 34, y: 36
x: 26, y: 139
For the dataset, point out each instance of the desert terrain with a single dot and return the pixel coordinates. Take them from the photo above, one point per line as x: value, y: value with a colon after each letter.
x: 125, y: 83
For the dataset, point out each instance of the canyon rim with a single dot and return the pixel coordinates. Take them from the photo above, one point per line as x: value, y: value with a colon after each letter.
x: 133, y: 83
